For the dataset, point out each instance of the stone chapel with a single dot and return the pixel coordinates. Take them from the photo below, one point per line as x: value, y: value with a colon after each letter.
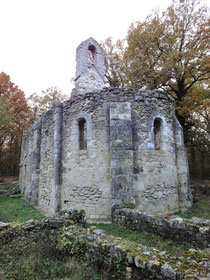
x: 106, y: 149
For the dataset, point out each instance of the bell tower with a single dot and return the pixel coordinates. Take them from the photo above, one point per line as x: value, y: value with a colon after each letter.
x: 89, y: 66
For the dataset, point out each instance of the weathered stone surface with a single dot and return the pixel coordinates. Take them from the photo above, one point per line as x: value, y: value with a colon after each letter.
x: 54, y: 224
x: 15, y: 195
x: 3, y: 192
x: 15, y: 191
x: 106, y: 148
x: 168, y: 272
x: 90, y: 66
x: 4, y: 225
x: 98, y: 231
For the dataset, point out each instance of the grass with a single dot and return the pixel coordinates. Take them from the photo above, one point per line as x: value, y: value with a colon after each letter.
x: 26, y: 259
x: 33, y: 268
x: 200, y: 209
x: 148, y: 239
x: 17, y: 210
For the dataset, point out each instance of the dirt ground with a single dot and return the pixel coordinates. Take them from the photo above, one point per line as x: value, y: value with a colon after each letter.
x: 9, y: 179
x: 201, y: 189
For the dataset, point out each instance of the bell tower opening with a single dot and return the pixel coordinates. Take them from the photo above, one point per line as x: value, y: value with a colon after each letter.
x: 91, y: 53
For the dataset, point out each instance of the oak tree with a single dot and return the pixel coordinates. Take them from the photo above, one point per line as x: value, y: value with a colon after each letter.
x: 41, y: 103
x: 115, y: 64
x: 168, y: 50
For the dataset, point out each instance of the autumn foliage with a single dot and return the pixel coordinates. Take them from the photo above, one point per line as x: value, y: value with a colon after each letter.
x: 16, y: 115
x: 14, y: 120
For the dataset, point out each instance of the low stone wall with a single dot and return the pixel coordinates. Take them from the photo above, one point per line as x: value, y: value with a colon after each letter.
x: 129, y: 260
x: 9, y: 231
x: 176, y: 228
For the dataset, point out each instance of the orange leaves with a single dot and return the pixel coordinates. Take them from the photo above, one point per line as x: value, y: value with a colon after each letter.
x: 14, y: 119
x: 14, y: 96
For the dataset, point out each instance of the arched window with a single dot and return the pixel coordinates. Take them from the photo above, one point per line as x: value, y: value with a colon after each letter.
x: 157, y: 133
x: 82, y: 134
x: 91, y: 52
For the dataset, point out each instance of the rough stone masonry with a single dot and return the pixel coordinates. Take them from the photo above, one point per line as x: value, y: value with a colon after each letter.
x: 106, y: 149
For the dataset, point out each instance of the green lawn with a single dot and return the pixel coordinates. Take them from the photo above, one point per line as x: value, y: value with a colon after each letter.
x: 148, y: 239
x: 200, y: 209
x: 17, y: 210
x: 34, y: 259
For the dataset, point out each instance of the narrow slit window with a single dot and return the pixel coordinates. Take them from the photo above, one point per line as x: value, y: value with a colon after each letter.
x: 82, y: 134
x: 157, y: 134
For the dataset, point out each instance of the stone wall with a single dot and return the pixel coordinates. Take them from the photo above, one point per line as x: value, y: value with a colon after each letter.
x: 85, y: 176
x: 119, y: 166
x: 176, y: 228
x: 39, y: 165
x: 30, y: 163
x: 32, y: 228
x: 130, y: 260
x: 47, y: 164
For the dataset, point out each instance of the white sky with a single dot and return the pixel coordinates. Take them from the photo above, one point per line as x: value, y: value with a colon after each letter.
x: 39, y: 37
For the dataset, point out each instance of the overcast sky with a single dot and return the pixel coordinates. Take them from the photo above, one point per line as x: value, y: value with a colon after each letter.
x: 39, y: 37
